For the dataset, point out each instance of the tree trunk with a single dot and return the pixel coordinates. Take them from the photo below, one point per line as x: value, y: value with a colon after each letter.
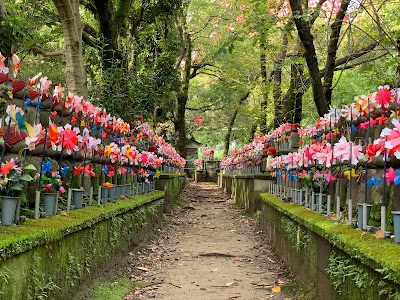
x: 227, y: 138
x: 277, y: 76
x: 292, y: 104
x: 264, y: 84
x: 75, y: 74
x: 332, y: 51
x: 307, y: 39
x: 182, y: 95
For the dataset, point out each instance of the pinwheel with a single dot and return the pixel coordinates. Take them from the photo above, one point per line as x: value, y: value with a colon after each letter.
x: 89, y: 170
x: 46, y: 167
x: 78, y: 170
x: 390, y: 176
x: 70, y: 137
x: 352, y: 174
x: 64, y: 171
x: 374, y: 181
x: 393, y: 138
x: 16, y: 117
x: 383, y: 96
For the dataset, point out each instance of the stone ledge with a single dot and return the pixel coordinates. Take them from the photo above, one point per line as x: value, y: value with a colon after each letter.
x: 377, y: 254
x: 33, y: 233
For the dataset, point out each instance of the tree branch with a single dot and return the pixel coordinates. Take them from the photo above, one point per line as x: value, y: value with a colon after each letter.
x: 352, y: 56
x: 361, y: 62
x: 37, y: 50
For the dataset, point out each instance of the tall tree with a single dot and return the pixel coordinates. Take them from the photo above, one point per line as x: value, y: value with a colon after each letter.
x: 75, y: 74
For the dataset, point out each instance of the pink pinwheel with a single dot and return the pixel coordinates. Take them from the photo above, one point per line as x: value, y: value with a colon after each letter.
x: 44, y: 86
x: 70, y: 138
x: 341, y: 151
x: 329, y: 177
x: 3, y: 67
x: 58, y: 92
x: 390, y: 176
x: 383, y: 96
x: 393, y: 138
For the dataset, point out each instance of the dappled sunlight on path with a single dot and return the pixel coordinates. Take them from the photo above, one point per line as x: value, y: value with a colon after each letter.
x: 210, y: 250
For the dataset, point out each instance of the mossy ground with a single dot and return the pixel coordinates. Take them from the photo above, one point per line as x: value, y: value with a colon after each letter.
x: 113, y: 290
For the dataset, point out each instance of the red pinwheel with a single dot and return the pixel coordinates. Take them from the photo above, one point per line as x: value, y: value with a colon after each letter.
x: 78, y: 170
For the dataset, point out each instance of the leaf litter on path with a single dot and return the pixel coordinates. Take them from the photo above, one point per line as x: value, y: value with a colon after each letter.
x: 190, y: 261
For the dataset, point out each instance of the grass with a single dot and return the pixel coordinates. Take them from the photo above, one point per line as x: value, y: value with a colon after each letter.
x: 113, y: 290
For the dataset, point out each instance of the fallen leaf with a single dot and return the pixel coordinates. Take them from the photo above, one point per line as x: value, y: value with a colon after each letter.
x: 276, y: 289
x: 143, y: 269
x: 231, y: 283
x: 265, y: 284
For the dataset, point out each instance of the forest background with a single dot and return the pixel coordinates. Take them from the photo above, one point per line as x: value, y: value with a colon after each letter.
x: 211, y: 70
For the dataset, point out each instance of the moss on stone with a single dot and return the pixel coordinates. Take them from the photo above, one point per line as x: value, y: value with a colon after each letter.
x: 363, y: 246
x: 56, y: 253
x: 32, y: 233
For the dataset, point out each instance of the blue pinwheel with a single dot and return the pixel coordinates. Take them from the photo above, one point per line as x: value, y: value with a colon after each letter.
x: 28, y: 102
x: 46, y: 167
x: 293, y: 176
x: 397, y: 178
x: 105, y: 170
x: 64, y: 171
x: 375, y: 181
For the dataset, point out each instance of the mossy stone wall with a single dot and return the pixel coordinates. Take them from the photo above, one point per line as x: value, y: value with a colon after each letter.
x: 47, y: 258
x: 172, y: 185
x: 334, y: 260
x: 245, y: 189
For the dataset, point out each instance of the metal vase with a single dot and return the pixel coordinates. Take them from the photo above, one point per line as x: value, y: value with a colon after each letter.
x: 49, y: 203
x: 8, y: 209
x: 77, y: 197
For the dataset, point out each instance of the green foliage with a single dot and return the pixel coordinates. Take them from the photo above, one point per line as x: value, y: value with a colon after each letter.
x: 114, y: 290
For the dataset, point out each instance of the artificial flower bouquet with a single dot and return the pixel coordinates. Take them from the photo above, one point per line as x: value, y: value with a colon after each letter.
x: 13, y: 175
x: 52, y: 182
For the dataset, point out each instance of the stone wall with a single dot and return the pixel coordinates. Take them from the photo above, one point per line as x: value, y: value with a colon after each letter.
x: 333, y: 261
x: 245, y: 189
x: 50, y: 257
x: 172, y: 185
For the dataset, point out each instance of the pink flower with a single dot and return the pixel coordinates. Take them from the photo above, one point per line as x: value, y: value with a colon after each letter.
x: 61, y: 190
x: 48, y: 186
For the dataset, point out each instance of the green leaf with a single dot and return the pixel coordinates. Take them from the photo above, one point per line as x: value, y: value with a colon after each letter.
x: 30, y: 167
x: 17, y: 187
x: 26, y: 177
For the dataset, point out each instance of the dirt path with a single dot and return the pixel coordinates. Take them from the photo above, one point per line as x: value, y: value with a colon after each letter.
x: 208, y: 251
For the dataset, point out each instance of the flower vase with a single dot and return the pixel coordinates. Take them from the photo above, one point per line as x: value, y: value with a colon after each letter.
x: 360, y: 219
x: 126, y: 190
x: 139, y: 188
x: 396, y: 226
x: 111, y: 194
x: 49, y: 203
x: 77, y: 197
x: 119, y: 190
x: 8, y: 209
x: 104, y: 195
